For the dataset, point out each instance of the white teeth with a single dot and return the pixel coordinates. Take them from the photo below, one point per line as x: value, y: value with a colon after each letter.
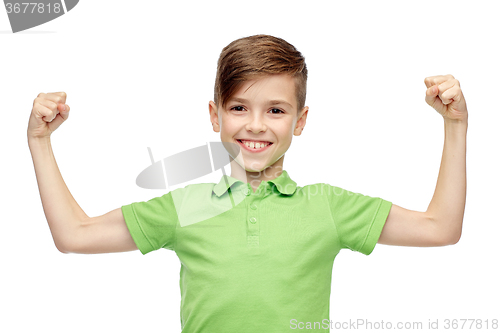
x: 255, y: 145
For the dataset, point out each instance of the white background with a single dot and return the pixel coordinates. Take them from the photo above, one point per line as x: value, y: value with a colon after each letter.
x: 141, y: 74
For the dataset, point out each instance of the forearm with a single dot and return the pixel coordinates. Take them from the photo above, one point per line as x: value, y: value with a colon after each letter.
x: 63, y: 213
x: 447, y: 206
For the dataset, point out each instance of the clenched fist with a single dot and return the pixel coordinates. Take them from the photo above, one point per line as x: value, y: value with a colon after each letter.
x: 445, y: 96
x: 48, y: 113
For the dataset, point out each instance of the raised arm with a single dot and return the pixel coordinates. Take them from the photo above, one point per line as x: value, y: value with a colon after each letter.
x: 72, y: 230
x: 441, y: 224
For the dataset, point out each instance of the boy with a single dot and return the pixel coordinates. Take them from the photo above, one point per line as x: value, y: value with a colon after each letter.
x: 262, y: 260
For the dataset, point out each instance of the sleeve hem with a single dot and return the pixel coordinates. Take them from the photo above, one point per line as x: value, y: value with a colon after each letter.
x: 376, y: 227
x: 135, y: 230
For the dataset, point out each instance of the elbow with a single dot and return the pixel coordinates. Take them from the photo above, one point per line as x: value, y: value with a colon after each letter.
x: 451, y: 238
x: 65, y: 242
x: 456, y: 238
x: 446, y: 233
x: 61, y: 246
x: 61, y: 249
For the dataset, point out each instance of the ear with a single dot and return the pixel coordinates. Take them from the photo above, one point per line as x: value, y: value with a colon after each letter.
x: 301, y: 121
x: 214, y: 116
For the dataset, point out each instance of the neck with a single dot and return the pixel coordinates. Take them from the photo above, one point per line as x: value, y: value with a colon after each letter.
x: 256, y: 177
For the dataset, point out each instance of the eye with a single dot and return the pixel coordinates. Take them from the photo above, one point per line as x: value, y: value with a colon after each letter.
x: 237, y: 108
x: 279, y: 110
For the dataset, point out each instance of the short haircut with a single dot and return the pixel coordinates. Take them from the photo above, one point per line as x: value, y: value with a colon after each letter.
x: 256, y: 56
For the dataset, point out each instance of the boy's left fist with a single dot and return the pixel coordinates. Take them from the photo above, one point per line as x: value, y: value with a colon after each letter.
x: 445, y: 96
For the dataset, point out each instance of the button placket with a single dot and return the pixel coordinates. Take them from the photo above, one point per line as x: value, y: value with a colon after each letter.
x: 253, y: 220
x: 253, y: 229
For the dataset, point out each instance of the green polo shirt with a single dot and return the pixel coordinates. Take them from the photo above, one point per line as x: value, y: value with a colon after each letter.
x: 256, y: 261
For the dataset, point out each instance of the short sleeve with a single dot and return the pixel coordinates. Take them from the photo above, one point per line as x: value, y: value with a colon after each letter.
x: 359, y: 218
x: 152, y: 224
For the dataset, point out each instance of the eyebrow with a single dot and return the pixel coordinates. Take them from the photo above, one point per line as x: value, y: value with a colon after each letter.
x: 271, y: 102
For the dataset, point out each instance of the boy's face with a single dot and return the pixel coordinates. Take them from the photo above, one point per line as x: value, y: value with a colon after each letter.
x: 264, y: 109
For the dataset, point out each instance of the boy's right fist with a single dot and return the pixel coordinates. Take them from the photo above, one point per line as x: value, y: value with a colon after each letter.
x: 48, y: 113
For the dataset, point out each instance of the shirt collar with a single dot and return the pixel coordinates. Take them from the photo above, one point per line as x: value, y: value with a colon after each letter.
x: 283, y: 183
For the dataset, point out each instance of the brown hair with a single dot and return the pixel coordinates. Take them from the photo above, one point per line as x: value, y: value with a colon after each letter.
x: 254, y: 56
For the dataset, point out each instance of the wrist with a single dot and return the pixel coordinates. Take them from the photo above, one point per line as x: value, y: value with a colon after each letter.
x: 456, y: 122
x: 455, y: 128
x: 37, y: 141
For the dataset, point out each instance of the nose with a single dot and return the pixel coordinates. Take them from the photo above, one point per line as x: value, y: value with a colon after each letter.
x: 256, y: 123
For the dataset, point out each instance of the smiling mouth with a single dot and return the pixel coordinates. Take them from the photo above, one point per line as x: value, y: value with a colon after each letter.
x: 251, y: 147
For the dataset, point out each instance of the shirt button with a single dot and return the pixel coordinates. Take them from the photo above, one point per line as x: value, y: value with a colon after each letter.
x: 253, y: 206
x: 253, y: 220
x: 246, y: 191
